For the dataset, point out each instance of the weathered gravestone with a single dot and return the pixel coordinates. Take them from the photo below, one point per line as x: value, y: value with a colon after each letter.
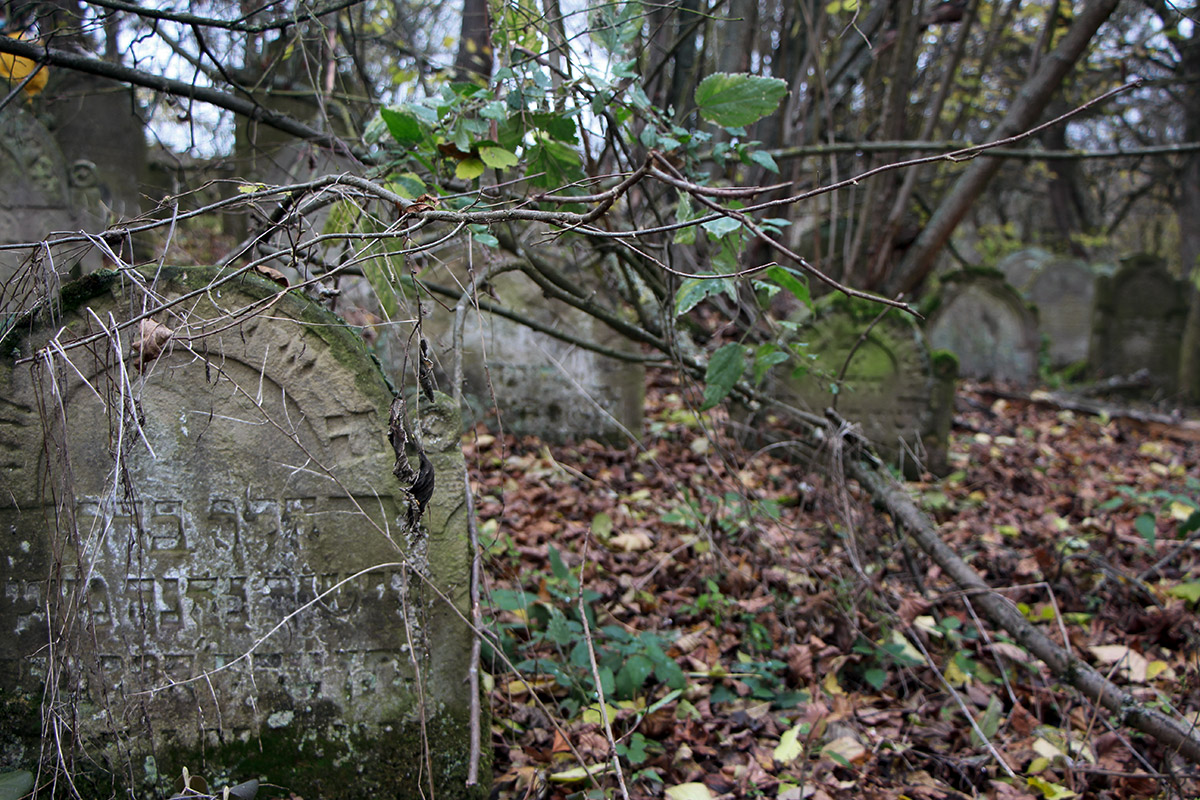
x: 541, y: 385
x: 988, y: 326
x: 1019, y: 268
x: 41, y: 193
x: 893, y: 387
x: 238, y: 594
x: 1064, y: 291
x: 1139, y: 321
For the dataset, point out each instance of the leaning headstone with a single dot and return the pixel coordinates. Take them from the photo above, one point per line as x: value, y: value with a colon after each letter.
x: 988, y: 327
x: 207, y: 562
x: 1139, y: 321
x: 891, y: 385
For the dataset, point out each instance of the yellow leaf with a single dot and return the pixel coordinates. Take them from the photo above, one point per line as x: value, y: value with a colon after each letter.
x: 955, y: 676
x: 469, y: 169
x: 17, y: 68
x: 789, y: 747
x: 580, y: 773
x: 689, y: 791
x: 1051, y: 791
x: 831, y: 686
x: 1180, y: 512
x: 1159, y: 669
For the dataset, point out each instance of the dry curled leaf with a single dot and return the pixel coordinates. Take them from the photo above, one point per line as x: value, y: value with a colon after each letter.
x: 152, y: 337
x: 272, y: 274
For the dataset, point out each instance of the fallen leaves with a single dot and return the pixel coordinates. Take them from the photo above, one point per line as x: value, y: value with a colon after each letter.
x: 802, y: 680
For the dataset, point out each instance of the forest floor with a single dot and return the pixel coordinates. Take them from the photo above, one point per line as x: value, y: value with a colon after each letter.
x: 758, y: 630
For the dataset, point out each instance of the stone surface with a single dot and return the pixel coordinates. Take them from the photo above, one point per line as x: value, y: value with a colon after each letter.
x: 988, y: 327
x: 38, y: 197
x: 1139, y: 321
x: 1020, y: 267
x: 1064, y: 291
x: 239, y: 596
x: 890, y: 387
x: 543, y: 386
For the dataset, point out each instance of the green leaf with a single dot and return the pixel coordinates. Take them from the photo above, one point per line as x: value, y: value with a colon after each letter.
x: 721, y: 226
x: 403, y: 125
x: 786, y: 279
x: 497, y: 157
x: 383, y: 276
x: 724, y: 369
x: 15, y: 785
x: 764, y: 160
x: 602, y: 526
x: 1189, y: 592
x: 766, y: 356
x: 558, y: 126
x: 694, y: 290
x: 632, y: 675
x: 736, y: 100
x: 875, y: 676
x: 552, y: 165
x: 1146, y: 527
x: 469, y: 169
x: 684, y: 212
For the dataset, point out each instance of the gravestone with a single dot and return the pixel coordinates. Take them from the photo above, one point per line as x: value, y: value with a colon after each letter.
x: 543, y: 386
x: 1019, y: 268
x: 40, y: 189
x: 1064, y: 291
x: 1139, y: 321
x: 893, y: 387
x: 986, y: 324
x: 239, y: 595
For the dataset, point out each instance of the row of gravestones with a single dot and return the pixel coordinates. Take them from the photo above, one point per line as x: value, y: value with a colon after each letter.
x: 237, y: 591
x: 1002, y: 323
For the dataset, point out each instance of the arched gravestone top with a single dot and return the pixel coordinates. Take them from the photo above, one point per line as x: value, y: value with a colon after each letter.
x: 1019, y: 268
x: 988, y: 326
x: 240, y: 597
x: 890, y: 388
x: 1140, y: 315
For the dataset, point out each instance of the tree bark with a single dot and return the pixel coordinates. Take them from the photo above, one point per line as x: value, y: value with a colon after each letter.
x: 1029, y: 104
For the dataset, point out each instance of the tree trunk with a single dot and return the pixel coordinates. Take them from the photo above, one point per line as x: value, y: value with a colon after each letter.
x: 1029, y: 104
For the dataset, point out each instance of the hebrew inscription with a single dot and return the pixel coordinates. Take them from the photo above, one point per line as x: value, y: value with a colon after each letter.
x: 214, y: 545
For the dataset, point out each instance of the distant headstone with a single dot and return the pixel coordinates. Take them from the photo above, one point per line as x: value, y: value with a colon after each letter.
x: 1019, y: 268
x: 215, y: 546
x: 1064, y: 291
x: 99, y: 126
x: 988, y: 326
x: 1139, y: 321
x: 38, y: 198
x: 891, y: 385
x: 543, y: 386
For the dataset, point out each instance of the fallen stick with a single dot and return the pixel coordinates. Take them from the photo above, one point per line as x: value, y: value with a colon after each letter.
x: 892, y: 497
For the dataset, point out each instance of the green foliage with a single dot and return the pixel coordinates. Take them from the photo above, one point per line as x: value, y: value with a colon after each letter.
x: 725, y: 368
x: 735, y: 101
x: 551, y: 642
x: 1183, y: 507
